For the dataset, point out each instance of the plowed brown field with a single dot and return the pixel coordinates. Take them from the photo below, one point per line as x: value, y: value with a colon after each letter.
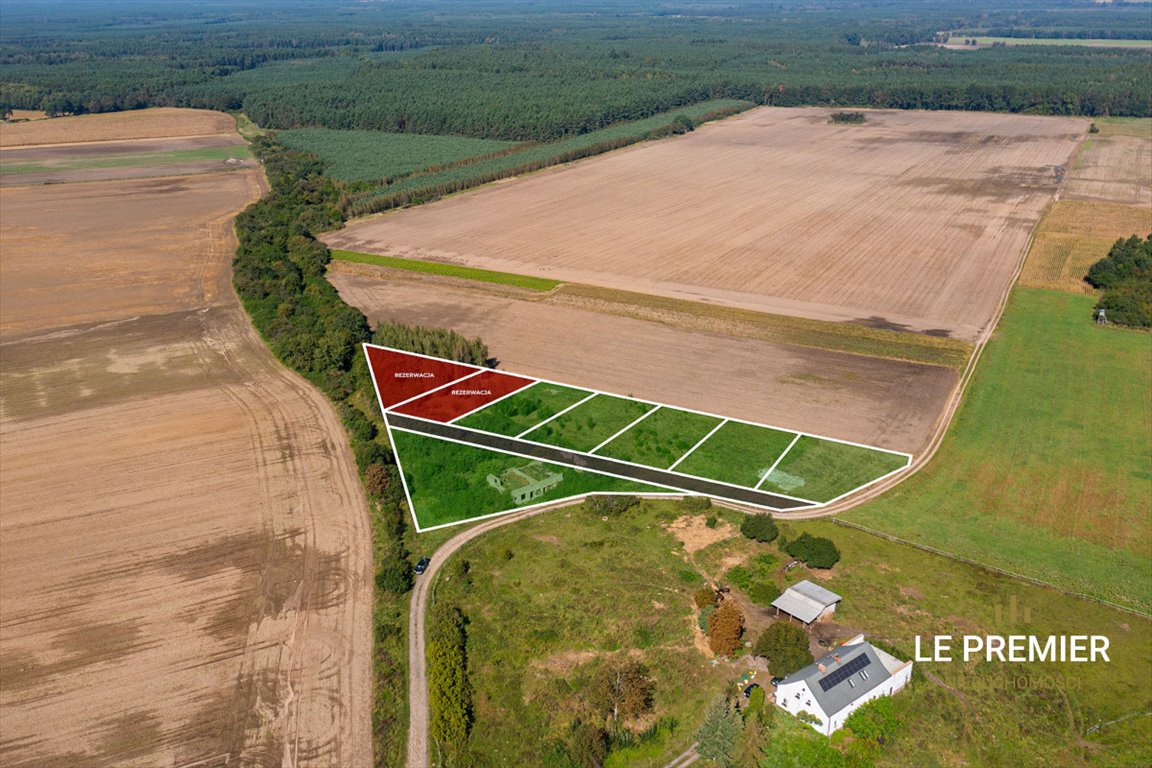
x: 915, y: 219
x: 865, y: 399
x: 185, y: 574
x: 113, y: 126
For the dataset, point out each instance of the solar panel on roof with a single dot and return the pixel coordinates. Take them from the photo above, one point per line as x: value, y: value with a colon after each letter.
x: 843, y: 672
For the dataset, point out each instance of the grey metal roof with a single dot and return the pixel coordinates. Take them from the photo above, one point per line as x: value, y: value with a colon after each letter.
x: 842, y: 689
x: 805, y: 600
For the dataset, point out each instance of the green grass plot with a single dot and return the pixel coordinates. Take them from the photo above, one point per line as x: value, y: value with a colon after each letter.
x: 528, y: 407
x: 662, y: 438
x: 821, y: 470
x: 738, y: 453
x: 586, y: 426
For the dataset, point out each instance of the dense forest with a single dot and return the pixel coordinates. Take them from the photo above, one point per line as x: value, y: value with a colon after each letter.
x: 501, y: 70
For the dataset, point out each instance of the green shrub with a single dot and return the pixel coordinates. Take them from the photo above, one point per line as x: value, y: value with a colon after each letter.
x: 763, y: 592
x: 816, y: 552
x: 760, y: 527
x: 739, y: 577
x: 710, y: 521
x: 610, y: 505
x: 785, y: 646
x: 875, y: 722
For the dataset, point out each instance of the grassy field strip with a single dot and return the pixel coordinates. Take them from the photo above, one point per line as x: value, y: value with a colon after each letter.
x: 772, y: 468
x: 661, y: 440
x: 375, y: 155
x: 523, y: 409
x: 130, y: 160
x: 1053, y: 485
x: 1094, y: 42
x: 586, y: 426
x: 557, y: 415
x: 703, y: 440
x: 448, y: 270
x: 625, y: 429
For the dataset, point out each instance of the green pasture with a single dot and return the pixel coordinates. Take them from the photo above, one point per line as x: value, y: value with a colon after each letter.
x: 530, y: 406
x: 448, y: 270
x: 586, y: 426
x: 738, y: 453
x: 661, y: 438
x: 821, y: 470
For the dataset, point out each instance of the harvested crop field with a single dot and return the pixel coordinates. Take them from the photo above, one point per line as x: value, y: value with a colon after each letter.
x: 888, y: 403
x: 185, y: 576
x: 161, y: 123
x: 1108, y: 196
x: 913, y: 220
x: 107, y: 160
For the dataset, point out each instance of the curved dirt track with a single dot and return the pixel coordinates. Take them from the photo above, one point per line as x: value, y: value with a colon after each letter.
x: 185, y: 569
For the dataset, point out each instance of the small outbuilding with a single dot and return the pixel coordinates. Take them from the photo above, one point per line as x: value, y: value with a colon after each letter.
x: 807, y: 602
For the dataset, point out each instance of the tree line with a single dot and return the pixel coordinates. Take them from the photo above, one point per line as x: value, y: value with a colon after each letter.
x: 278, y: 273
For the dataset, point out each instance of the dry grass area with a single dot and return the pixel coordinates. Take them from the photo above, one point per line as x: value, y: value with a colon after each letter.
x: 186, y: 575
x: 889, y: 403
x: 1108, y: 196
x: 1073, y: 236
x: 157, y: 123
x: 914, y: 220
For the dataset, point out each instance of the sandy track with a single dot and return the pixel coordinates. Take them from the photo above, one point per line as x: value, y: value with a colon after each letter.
x: 880, y: 402
x: 185, y: 576
x: 916, y: 218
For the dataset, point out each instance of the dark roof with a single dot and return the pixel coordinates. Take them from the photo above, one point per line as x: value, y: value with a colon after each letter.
x: 841, y: 683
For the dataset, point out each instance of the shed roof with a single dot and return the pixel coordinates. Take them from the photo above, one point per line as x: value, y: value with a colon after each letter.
x: 805, y: 600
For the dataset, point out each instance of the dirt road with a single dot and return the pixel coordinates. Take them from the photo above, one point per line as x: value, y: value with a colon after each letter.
x: 185, y: 569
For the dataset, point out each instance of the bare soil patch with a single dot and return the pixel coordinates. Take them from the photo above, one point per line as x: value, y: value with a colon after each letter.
x: 162, y: 122
x: 1113, y: 169
x: 880, y: 402
x: 916, y: 219
x: 695, y: 535
x: 185, y: 574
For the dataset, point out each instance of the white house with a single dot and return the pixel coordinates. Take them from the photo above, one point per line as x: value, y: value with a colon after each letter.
x: 836, y: 685
x: 807, y: 601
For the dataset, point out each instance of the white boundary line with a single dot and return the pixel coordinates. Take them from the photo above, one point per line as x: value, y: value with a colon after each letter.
x: 667, y: 405
x: 704, y: 439
x: 676, y: 492
x: 487, y: 405
x: 613, y: 458
x: 553, y: 416
x: 556, y: 502
x: 430, y: 391
x: 647, y: 413
x: 403, y: 480
x: 412, y: 508
x: 778, y: 460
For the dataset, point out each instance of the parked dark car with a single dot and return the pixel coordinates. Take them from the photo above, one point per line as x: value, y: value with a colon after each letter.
x: 422, y: 565
x: 749, y: 689
x: 776, y: 681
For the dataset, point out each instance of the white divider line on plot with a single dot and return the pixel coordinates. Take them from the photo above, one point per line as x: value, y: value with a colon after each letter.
x: 647, y: 413
x: 403, y: 480
x: 702, y: 441
x: 437, y: 389
x: 778, y: 460
x: 475, y: 431
x: 557, y: 415
x: 477, y: 409
x: 666, y: 405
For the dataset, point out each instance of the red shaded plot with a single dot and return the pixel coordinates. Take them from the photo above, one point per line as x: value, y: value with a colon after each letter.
x: 400, y: 376
x: 464, y: 396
